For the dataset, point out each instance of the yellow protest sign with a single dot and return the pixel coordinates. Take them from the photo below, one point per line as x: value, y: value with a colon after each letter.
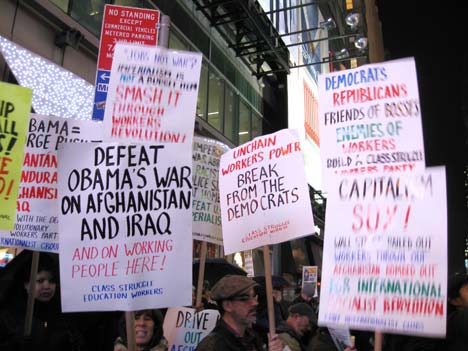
x: 15, y: 106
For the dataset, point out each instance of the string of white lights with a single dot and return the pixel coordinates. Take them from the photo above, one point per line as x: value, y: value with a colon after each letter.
x: 56, y: 91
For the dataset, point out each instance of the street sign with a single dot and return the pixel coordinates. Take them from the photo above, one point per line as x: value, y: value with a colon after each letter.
x: 120, y: 24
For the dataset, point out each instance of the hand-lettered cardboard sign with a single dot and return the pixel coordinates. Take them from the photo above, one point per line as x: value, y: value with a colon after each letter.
x: 36, y: 226
x: 205, y: 205
x: 184, y: 328
x: 125, y: 226
x: 15, y: 105
x: 385, y: 254
x: 152, y: 95
x: 263, y: 193
x: 370, y: 120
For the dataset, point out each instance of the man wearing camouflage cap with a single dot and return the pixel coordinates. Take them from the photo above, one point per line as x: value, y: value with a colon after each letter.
x: 237, y: 302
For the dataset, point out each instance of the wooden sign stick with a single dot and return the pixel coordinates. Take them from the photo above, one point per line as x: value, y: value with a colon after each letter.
x: 269, y: 291
x: 130, y: 327
x: 201, y: 274
x: 32, y: 288
x: 378, y: 341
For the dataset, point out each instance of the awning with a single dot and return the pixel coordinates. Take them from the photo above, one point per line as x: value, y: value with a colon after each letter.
x: 249, y: 32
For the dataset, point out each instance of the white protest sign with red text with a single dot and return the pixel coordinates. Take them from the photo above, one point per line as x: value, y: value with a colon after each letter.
x: 152, y: 95
x: 370, y: 120
x: 205, y: 205
x: 125, y: 226
x: 36, y: 225
x: 385, y: 254
x: 184, y: 327
x: 121, y: 24
x: 263, y: 192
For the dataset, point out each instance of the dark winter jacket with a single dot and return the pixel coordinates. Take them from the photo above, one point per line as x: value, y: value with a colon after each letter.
x: 395, y: 342
x: 50, y: 330
x: 457, y: 330
x: 289, y: 337
x: 223, y: 338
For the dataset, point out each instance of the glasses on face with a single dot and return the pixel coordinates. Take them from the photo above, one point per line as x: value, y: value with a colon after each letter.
x: 245, y: 298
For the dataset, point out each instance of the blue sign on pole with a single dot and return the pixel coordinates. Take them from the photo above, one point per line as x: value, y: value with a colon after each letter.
x: 100, y: 94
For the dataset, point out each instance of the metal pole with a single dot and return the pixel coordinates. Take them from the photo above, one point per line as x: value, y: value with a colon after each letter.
x: 164, y: 31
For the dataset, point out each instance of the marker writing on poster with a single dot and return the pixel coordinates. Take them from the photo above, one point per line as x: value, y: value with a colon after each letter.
x: 116, y: 185
x: 8, y: 138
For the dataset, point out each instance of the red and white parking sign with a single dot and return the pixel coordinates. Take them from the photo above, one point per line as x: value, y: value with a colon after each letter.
x: 127, y: 24
x: 120, y: 24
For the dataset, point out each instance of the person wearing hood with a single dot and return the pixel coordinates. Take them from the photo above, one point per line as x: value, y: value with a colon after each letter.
x: 148, y: 332
x: 51, y: 330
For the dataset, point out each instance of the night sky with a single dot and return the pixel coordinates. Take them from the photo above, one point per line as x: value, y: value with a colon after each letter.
x: 434, y: 34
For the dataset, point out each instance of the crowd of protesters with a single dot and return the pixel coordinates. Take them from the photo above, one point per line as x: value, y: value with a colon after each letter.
x: 243, y: 324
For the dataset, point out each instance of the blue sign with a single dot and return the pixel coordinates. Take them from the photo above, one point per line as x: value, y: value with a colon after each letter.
x: 100, y: 94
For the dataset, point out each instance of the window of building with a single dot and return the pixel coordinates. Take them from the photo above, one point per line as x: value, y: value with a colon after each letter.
x: 230, y: 114
x: 61, y: 4
x: 177, y: 43
x: 131, y: 3
x: 202, y: 92
x: 88, y: 13
x: 216, y: 101
x: 256, y: 125
x: 244, y: 122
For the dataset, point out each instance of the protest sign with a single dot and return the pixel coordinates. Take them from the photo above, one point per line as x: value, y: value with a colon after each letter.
x: 309, y: 278
x: 263, y: 193
x: 120, y: 24
x: 385, y: 254
x: 184, y: 328
x: 36, y: 226
x: 125, y: 216
x: 152, y: 95
x: 205, y: 205
x: 370, y: 120
x: 15, y: 105
x: 341, y: 338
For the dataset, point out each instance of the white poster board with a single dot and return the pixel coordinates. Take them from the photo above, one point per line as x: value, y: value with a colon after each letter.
x: 370, y: 120
x: 341, y: 338
x: 36, y: 226
x: 152, y: 95
x: 125, y: 226
x: 206, y: 211
x: 385, y: 254
x: 263, y: 193
x: 184, y: 328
